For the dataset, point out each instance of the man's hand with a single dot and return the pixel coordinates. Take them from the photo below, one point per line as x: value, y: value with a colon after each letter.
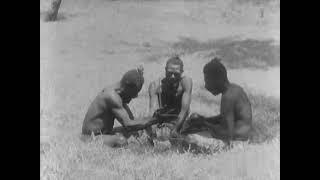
x: 135, y: 134
x: 174, y: 133
x: 195, y: 116
x: 195, y: 119
x: 157, y: 113
x: 185, y: 102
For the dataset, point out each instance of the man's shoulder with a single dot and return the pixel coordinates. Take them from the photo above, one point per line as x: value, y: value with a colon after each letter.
x: 155, y: 84
x: 186, y: 81
x: 235, y: 91
x: 111, y: 97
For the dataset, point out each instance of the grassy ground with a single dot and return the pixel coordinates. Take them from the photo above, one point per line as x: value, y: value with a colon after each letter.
x: 66, y: 157
x: 83, y: 52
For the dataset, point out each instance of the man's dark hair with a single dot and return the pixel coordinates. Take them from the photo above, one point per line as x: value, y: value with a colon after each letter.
x: 175, y: 60
x: 216, y: 70
x: 133, y: 78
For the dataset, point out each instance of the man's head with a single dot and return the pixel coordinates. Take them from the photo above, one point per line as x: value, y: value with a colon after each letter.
x: 215, y: 76
x: 174, y: 69
x: 131, y: 84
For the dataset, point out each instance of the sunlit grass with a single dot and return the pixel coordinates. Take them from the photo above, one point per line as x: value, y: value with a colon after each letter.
x: 66, y: 157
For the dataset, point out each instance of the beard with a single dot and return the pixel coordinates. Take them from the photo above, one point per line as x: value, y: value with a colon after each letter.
x: 126, y: 100
x: 170, y: 85
x: 213, y: 90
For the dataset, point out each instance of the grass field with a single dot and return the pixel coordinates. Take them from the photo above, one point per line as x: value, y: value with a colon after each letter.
x: 95, y: 42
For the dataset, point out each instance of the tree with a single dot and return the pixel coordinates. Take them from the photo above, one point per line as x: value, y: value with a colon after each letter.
x: 52, y: 13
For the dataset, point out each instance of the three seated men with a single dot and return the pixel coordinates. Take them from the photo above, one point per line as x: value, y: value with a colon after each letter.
x: 169, y: 101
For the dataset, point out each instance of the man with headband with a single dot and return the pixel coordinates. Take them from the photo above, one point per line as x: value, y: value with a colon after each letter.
x: 235, y: 119
x: 112, y: 103
x: 170, y: 95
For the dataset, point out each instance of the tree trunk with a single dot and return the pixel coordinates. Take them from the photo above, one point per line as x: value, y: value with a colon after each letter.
x: 52, y: 13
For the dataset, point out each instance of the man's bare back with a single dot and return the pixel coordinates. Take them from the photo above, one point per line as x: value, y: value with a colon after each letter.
x: 235, y: 111
x: 110, y: 104
x: 100, y: 118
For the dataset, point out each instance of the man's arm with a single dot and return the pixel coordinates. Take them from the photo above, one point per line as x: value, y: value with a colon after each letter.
x: 126, y: 107
x: 153, y: 99
x: 227, y: 113
x: 122, y: 116
x: 120, y: 112
x: 185, y: 104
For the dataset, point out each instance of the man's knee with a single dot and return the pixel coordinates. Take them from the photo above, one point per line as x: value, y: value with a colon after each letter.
x: 151, y: 131
x: 191, y: 139
x: 194, y: 116
x: 89, y: 129
x: 121, y: 141
x: 195, y: 119
x: 85, y: 138
x: 184, y: 141
x: 114, y: 140
x: 243, y: 133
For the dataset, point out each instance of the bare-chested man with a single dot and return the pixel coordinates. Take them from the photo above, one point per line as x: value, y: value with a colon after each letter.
x: 112, y: 103
x: 235, y: 119
x: 170, y: 95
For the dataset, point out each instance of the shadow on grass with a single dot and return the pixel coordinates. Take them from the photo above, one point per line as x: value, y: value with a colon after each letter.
x: 234, y: 53
x: 165, y: 148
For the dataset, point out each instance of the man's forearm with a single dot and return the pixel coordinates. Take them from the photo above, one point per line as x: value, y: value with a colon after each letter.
x: 152, y: 109
x: 181, y: 118
x: 230, y: 129
x: 136, y: 125
x: 126, y: 107
x: 213, y: 119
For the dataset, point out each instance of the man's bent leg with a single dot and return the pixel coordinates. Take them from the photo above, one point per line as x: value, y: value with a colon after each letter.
x: 117, y: 140
x: 218, y: 131
x: 193, y: 125
x: 214, y: 120
x: 200, y: 140
x: 151, y: 134
x: 241, y: 132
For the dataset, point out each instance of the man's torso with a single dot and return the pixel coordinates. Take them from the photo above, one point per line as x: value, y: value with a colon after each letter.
x: 169, y: 98
x: 99, y: 116
x: 241, y: 107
